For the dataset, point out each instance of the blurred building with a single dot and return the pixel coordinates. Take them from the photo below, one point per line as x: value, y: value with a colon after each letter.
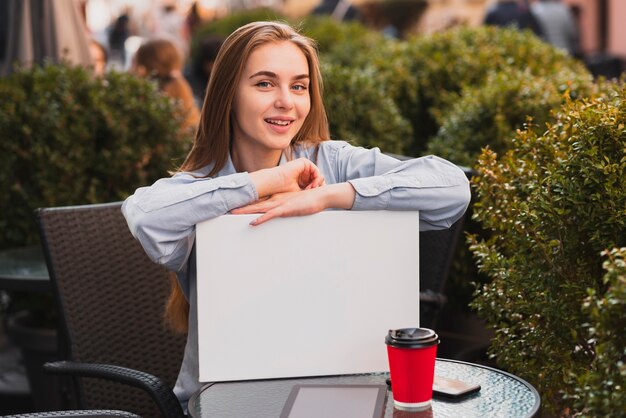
x: 599, y: 21
x: 602, y: 34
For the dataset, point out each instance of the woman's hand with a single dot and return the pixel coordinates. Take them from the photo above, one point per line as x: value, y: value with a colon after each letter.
x: 301, y: 174
x: 280, y: 205
x: 296, y: 175
x: 300, y: 203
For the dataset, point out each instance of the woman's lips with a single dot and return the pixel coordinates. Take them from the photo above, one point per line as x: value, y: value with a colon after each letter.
x: 279, y: 125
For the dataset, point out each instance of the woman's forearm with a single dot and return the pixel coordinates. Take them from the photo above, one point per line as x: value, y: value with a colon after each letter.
x: 267, y: 182
x: 338, y: 196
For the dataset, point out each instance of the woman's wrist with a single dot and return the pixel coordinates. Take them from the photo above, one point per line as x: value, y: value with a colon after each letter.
x: 338, y: 196
x: 267, y: 181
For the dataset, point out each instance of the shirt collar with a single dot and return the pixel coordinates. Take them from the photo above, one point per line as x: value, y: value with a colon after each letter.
x: 229, y: 167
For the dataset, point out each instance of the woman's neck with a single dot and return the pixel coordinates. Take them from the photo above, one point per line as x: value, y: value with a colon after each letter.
x: 252, y: 160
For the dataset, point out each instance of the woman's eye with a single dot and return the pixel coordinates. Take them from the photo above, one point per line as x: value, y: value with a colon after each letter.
x: 299, y: 87
x: 263, y: 84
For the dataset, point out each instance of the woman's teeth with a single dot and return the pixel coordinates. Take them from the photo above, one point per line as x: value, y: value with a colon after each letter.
x: 278, y: 122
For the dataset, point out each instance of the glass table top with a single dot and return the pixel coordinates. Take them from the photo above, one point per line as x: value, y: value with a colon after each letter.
x: 24, y: 269
x: 501, y: 395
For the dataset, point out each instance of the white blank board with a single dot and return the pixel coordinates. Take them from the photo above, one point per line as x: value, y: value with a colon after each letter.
x: 304, y: 296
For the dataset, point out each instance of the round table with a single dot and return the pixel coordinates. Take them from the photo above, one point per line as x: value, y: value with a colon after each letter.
x: 24, y: 269
x: 501, y: 395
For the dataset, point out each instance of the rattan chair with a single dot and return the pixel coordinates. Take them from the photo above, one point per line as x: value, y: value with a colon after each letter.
x: 437, y: 251
x: 111, y: 297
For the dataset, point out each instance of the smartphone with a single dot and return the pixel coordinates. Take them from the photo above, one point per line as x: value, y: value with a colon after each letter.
x: 452, y: 388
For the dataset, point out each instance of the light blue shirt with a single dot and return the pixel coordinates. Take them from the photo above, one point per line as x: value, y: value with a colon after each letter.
x: 163, y: 216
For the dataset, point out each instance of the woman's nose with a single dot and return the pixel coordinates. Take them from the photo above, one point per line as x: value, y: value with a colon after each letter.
x: 284, y: 100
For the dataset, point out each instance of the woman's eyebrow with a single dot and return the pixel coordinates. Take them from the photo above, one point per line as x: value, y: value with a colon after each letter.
x: 274, y: 75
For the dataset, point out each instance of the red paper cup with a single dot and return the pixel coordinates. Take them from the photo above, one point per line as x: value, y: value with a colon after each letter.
x: 412, y: 353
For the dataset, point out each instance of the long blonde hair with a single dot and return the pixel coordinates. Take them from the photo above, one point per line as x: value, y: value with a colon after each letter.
x: 212, y: 142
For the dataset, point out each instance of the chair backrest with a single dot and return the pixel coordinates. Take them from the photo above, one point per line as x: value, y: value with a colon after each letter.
x: 437, y: 252
x: 112, y: 300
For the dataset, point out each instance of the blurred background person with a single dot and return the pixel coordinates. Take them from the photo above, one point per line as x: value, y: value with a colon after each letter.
x: 100, y: 57
x: 168, y: 22
x: 193, y: 20
x: 161, y: 60
x: 513, y: 13
x: 558, y: 25
x: 340, y: 10
x: 199, y: 70
x: 118, y: 32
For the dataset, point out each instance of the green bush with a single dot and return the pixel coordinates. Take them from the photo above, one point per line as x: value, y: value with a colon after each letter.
x: 362, y: 87
x: 600, y: 391
x: 68, y: 138
x: 447, y: 63
x: 491, y: 112
x: 553, y: 203
x: 348, y: 44
x: 372, y: 118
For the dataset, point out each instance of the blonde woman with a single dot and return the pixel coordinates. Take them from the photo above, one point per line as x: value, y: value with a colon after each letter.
x: 263, y: 147
x: 160, y: 60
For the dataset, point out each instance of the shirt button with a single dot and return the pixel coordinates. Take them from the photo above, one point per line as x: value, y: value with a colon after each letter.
x: 190, y: 192
x: 417, y: 182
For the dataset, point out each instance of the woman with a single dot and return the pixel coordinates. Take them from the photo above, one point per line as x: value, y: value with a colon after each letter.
x: 160, y: 59
x: 263, y: 147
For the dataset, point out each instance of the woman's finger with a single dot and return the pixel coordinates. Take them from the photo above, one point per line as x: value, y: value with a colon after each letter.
x: 262, y: 219
x: 258, y: 207
x: 310, y: 176
x: 318, y: 183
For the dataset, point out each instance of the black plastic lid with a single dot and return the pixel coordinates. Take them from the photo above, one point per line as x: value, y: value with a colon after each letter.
x: 411, y: 338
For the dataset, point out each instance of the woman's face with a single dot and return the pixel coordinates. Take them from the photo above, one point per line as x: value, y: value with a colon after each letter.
x: 272, y: 98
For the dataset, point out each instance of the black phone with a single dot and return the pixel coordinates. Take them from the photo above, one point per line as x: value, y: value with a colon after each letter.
x: 444, y: 387
x: 453, y: 389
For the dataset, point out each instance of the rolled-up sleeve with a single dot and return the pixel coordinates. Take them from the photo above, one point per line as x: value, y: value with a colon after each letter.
x: 162, y: 217
x: 436, y: 187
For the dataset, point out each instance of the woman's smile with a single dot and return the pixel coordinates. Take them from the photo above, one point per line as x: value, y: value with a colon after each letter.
x: 280, y: 125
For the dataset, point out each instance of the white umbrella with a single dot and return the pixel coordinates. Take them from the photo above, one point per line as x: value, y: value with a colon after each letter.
x: 40, y: 29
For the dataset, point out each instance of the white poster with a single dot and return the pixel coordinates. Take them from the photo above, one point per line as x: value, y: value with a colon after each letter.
x: 304, y: 296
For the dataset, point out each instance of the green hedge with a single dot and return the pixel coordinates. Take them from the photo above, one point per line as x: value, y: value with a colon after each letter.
x: 491, y: 112
x: 68, y: 138
x: 600, y: 391
x: 347, y: 44
x: 435, y: 79
x: 361, y: 123
x: 450, y: 66
x: 553, y: 204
